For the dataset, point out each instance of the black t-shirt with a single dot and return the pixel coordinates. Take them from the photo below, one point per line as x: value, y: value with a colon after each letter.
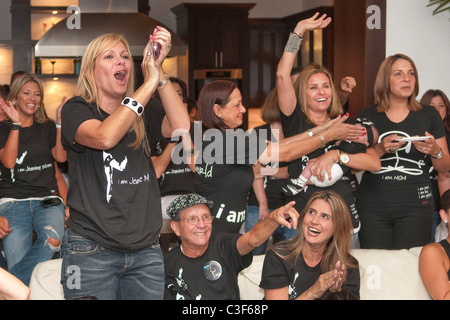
x: 434, y: 177
x: 404, y: 179
x: 212, y: 276
x: 444, y: 243
x: 224, y: 174
x: 299, y: 277
x: 113, y: 194
x: 295, y: 124
x: 178, y: 178
x: 34, y: 172
x: 272, y: 185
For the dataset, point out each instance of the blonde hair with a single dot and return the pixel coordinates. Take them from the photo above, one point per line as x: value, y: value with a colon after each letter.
x: 382, y: 87
x: 40, y: 116
x: 300, y: 86
x: 86, y: 87
x: 339, y: 245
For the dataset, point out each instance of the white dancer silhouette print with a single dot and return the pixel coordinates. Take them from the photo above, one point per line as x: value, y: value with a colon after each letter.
x: 109, y: 164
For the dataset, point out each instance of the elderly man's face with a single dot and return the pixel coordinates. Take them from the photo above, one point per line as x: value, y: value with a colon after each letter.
x: 194, y: 234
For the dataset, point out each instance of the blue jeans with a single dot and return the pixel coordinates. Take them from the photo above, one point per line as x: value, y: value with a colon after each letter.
x: 3, y: 261
x: 251, y: 218
x: 26, y: 217
x: 282, y: 233
x: 90, y: 270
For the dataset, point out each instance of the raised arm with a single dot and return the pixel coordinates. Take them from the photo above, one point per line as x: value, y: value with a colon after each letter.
x: 285, y: 88
x: 264, y: 229
x: 177, y: 117
x: 8, y: 154
x: 58, y: 152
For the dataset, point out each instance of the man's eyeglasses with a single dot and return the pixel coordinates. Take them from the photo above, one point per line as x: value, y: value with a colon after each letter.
x: 196, y: 219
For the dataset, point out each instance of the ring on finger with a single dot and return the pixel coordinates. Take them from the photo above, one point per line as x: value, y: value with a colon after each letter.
x: 392, y: 150
x: 424, y: 149
x: 322, y: 173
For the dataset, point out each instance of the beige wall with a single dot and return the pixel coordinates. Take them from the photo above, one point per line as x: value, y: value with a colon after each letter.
x: 414, y: 31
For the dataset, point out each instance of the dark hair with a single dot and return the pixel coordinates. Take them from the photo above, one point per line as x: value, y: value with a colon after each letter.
x: 270, y: 112
x: 4, y: 91
x: 182, y: 85
x: 15, y: 75
x: 429, y: 95
x: 445, y: 200
x: 344, y: 294
x: 216, y: 92
x: 183, y: 89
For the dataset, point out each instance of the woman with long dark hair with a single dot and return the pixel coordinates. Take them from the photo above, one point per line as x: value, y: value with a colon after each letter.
x: 317, y: 261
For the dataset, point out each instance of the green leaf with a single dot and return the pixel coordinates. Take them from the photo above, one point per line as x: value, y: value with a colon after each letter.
x: 443, y: 5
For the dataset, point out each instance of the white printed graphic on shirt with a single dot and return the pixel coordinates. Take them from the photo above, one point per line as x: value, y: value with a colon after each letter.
x: 182, y: 285
x: 291, y: 288
x: 400, y: 162
x: 109, y: 164
x: 18, y: 161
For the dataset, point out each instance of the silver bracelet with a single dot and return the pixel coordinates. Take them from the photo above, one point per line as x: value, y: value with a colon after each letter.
x: 58, y: 125
x: 324, y: 143
x: 439, y: 155
x: 293, y: 44
x: 133, y: 105
x: 163, y: 83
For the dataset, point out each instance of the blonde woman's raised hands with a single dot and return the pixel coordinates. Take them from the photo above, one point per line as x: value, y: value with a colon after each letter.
x: 313, y: 23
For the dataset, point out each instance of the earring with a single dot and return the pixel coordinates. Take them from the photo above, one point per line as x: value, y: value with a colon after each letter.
x: 445, y: 221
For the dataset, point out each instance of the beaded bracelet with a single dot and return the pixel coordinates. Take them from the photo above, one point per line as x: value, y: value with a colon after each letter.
x: 293, y: 44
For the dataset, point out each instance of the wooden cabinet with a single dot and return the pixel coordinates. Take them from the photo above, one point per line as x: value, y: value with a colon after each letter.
x: 217, y: 38
x: 217, y: 34
x: 217, y: 43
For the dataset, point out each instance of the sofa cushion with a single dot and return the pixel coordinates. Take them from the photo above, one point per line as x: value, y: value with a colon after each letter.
x: 45, y: 282
x: 385, y: 275
x: 390, y: 274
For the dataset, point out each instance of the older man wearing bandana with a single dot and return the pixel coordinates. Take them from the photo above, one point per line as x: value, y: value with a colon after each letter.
x: 205, y: 266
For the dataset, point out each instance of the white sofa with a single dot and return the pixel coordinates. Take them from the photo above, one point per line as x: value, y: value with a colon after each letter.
x: 385, y: 275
